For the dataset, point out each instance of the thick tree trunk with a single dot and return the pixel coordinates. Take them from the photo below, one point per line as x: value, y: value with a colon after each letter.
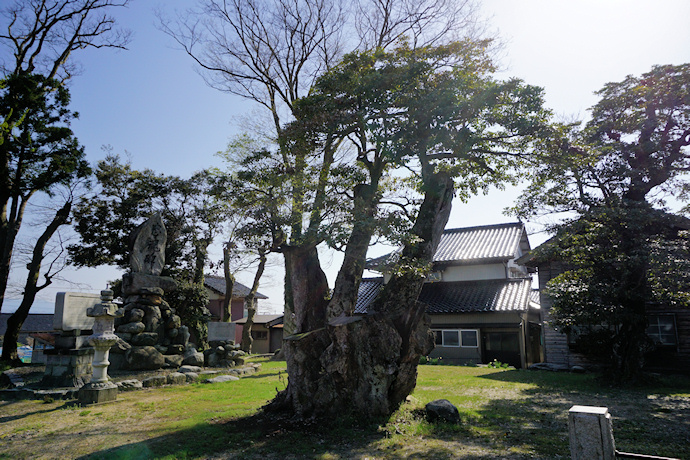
x: 9, y: 226
x: 628, y: 352
x: 362, y: 366
x: 16, y: 320
x: 308, y: 290
x: 247, y: 339
x: 201, y: 254
x: 347, y: 283
x: 229, y: 285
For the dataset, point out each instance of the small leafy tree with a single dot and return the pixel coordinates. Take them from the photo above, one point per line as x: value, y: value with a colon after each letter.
x: 190, y: 300
x: 41, y: 154
x: 126, y: 197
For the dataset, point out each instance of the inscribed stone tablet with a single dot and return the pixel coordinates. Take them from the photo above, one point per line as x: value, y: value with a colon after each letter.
x: 70, y: 310
x: 148, y: 250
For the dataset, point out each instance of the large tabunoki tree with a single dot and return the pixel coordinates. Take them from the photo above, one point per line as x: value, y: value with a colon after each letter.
x: 614, y: 175
x: 434, y: 112
x: 271, y: 52
x: 343, y: 149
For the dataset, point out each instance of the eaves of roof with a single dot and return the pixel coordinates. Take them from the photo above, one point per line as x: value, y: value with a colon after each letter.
x: 503, y: 295
x: 267, y: 320
x: 217, y: 285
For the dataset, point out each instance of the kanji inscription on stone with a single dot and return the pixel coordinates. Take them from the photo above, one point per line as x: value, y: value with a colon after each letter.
x: 148, y: 250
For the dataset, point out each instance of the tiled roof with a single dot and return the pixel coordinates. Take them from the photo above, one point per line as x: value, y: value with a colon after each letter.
x: 479, y: 243
x: 461, y: 297
x: 470, y: 245
x: 263, y: 319
x: 535, y: 298
x: 368, y: 290
x: 239, y: 290
x: 35, y: 322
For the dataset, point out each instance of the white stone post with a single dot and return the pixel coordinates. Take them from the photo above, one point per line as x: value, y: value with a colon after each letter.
x: 100, y: 389
x: 591, y: 433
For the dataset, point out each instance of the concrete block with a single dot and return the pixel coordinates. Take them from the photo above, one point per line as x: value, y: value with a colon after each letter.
x: 591, y: 433
x: 219, y: 331
x: 97, y: 393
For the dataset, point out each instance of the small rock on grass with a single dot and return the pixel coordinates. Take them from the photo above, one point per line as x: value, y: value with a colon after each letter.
x: 176, y: 378
x: 155, y: 381
x: 442, y: 410
x: 187, y: 368
x: 129, y: 385
x: 221, y: 379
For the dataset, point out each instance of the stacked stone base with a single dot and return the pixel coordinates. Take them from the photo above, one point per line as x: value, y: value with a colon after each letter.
x: 67, y: 368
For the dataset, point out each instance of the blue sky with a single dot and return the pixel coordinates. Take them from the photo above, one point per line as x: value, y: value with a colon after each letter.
x: 150, y: 102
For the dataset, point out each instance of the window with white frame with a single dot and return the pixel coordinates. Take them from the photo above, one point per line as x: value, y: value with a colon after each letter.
x: 662, y: 329
x: 466, y: 338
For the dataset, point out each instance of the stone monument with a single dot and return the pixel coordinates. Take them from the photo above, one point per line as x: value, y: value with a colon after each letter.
x: 69, y: 363
x: 151, y: 331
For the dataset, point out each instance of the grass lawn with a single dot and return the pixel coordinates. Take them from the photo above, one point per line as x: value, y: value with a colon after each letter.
x: 510, y: 414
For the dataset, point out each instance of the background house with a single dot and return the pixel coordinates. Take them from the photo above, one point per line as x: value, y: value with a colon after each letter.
x: 34, y: 323
x: 267, y: 332
x: 215, y: 286
x: 480, y: 299
x: 669, y: 328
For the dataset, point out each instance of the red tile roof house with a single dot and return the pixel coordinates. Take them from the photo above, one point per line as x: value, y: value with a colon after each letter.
x: 215, y: 286
x: 480, y: 301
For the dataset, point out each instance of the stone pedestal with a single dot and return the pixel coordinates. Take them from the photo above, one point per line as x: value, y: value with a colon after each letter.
x: 96, y: 393
x: 100, y: 389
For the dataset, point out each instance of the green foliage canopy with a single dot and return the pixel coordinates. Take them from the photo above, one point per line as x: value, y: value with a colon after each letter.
x: 613, y: 176
x: 387, y: 120
x: 126, y: 197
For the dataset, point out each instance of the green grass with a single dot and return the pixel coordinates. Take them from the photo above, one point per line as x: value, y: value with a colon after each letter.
x: 504, y: 414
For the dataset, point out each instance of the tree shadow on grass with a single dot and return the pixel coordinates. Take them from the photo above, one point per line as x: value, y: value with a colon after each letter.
x: 9, y: 418
x: 649, y: 420
x: 263, y: 436
x: 257, y: 436
x: 264, y: 375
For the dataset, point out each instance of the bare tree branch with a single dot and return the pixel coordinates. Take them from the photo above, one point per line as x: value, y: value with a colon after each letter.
x: 42, y: 34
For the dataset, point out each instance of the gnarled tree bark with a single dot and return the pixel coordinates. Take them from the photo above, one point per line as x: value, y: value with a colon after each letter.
x: 361, y: 365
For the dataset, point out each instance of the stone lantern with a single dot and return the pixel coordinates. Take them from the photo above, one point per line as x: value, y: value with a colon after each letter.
x: 100, y: 389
